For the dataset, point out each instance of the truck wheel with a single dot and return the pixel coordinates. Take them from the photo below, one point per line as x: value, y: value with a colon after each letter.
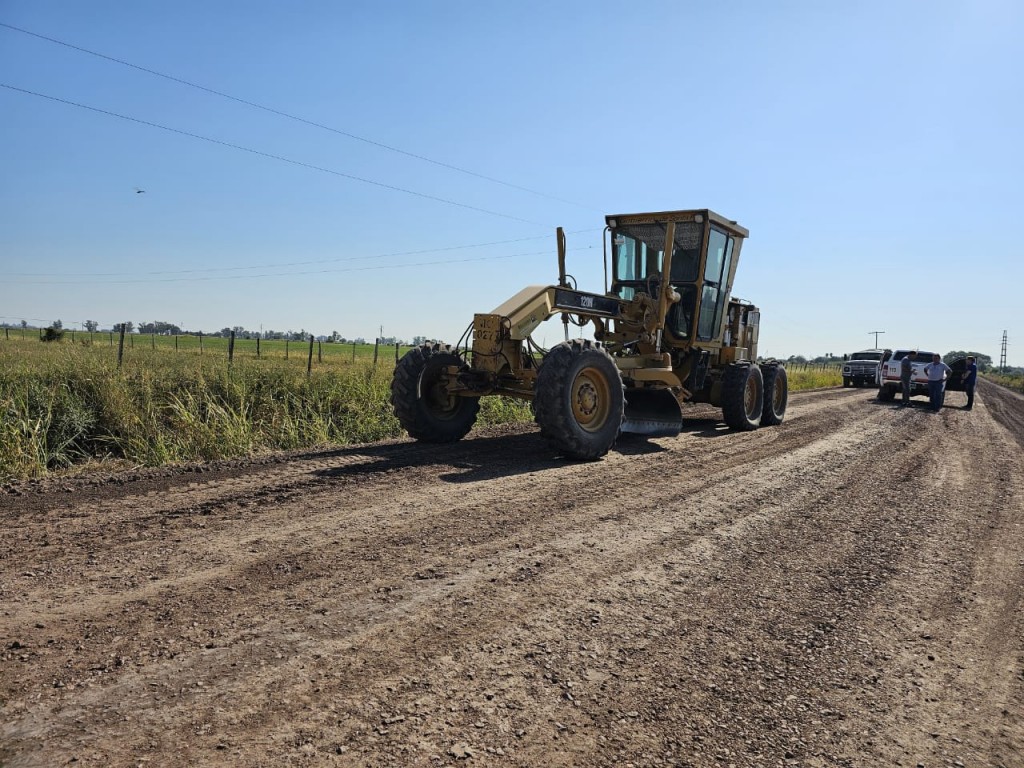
x: 423, y: 407
x: 579, y: 400
x: 776, y: 394
x: 742, y: 396
x: 886, y: 393
x: 847, y: 381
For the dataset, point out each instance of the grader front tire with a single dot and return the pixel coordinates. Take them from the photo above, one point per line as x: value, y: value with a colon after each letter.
x: 423, y: 407
x: 579, y: 400
x: 743, y: 397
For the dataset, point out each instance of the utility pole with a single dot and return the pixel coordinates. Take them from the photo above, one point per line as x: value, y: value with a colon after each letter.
x: 877, y: 334
x: 1002, y: 355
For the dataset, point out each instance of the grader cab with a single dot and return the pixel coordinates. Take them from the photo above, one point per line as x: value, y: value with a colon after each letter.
x: 665, y: 331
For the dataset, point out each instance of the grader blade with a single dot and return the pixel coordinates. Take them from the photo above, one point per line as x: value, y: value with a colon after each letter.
x: 652, y: 412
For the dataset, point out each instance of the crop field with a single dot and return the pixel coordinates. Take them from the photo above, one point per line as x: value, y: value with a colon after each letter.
x: 215, y: 345
x: 66, y: 404
x: 1010, y: 381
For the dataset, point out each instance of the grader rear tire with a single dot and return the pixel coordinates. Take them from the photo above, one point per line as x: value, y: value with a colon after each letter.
x: 742, y: 397
x: 424, y: 409
x: 776, y: 394
x: 579, y: 400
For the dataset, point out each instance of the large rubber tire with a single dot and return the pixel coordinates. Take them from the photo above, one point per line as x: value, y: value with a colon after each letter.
x: 422, y: 406
x: 776, y: 394
x: 742, y: 396
x: 847, y: 381
x: 579, y: 400
x: 886, y: 393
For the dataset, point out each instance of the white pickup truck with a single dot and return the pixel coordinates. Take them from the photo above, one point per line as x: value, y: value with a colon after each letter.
x: 889, y: 385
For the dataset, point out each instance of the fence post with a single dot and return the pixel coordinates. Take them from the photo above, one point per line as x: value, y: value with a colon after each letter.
x: 257, y: 347
x: 72, y: 335
x: 7, y: 334
x: 200, y: 343
x: 175, y: 343
x: 120, y: 345
x: 152, y: 340
x: 396, y: 353
x: 131, y: 340
x: 111, y: 333
x: 309, y: 363
x: 319, y: 352
x: 231, y: 348
x: 286, y: 349
x: 376, y: 347
x: 353, y: 351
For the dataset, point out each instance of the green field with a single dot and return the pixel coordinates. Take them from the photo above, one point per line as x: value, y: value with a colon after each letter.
x: 66, y: 403
x: 1010, y: 381
x: 217, y: 345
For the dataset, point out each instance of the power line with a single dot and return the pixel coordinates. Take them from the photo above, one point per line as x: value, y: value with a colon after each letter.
x: 271, y: 156
x: 281, y: 265
x: 280, y: 113
x: 286, y: 274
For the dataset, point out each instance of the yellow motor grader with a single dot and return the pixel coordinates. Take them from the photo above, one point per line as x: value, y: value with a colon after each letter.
x: 666, y: 331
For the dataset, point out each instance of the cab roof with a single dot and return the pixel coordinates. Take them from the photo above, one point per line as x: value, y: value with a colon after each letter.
x: 663, y: 217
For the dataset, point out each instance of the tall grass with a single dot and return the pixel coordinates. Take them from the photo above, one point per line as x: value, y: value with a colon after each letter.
x: 62, y: 404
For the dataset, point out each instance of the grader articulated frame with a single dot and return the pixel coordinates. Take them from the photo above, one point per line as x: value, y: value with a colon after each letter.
x: 665, y: 331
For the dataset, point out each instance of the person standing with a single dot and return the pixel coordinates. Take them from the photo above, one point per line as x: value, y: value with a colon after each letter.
x: 937, y: 372
x: 907, y: 373
x: 970, y: 381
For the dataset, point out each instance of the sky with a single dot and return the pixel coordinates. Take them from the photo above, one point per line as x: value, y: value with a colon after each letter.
x: 361, y: 166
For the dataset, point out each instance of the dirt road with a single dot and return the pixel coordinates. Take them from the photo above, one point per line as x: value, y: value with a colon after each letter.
x: 844, y: 590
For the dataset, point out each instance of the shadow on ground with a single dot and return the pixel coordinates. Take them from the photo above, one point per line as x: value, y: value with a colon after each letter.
x: 487, y: 458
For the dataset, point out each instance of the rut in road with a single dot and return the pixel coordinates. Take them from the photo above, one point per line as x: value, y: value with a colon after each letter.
x: 839, y: 588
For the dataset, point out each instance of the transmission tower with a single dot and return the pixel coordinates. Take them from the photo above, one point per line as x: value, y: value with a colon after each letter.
x: 1002, y: 354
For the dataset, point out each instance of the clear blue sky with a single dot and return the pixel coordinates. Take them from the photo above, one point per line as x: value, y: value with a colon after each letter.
x: 873, y: 150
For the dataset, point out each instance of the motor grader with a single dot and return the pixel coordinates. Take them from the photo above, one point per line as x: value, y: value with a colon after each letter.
x: 665, y: 331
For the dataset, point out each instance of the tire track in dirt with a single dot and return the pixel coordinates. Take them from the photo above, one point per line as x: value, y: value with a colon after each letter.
x: 291, y: 520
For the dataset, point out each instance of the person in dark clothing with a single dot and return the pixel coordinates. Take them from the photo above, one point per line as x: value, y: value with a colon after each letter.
x: 906, y: 373
x: 970, y: 381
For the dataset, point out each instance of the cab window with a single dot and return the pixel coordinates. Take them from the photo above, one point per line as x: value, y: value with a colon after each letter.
x: 639, y: 251
x: 716, y: 273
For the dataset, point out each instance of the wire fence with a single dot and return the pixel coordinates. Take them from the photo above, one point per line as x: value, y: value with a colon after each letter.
x: 308, y: 350
x: 304, y: 349
x: 831, y: 365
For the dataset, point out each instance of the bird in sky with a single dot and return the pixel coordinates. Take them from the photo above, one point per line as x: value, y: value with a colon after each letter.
x: 139, y: 191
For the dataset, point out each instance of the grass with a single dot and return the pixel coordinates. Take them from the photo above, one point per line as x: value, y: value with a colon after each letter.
x: 218, y: 346
x: 65, y: 404
x: 813, y: 376
x: 1010, y: 381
